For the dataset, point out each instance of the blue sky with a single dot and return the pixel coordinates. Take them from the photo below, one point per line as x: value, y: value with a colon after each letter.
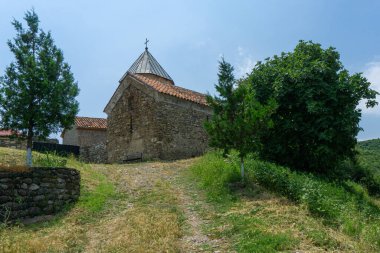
x: 101, y: 39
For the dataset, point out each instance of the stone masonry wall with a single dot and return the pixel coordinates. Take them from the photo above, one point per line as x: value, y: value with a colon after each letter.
x: 130, y: 127
x: 84, y: 137
x: 157, y: 125
x: 41, y: 191
x: 180, y: 129
x: 70, y: 137
x: 94, y: 154
x: 91, y: 137
x: 12, y: 142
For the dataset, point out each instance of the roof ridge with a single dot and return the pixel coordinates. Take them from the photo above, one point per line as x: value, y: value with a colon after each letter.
x: 90, y: 117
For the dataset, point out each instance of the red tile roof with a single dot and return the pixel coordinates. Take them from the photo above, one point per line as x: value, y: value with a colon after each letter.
x: 6, y: 133
x: 172, y: 90
x: 91, y: 123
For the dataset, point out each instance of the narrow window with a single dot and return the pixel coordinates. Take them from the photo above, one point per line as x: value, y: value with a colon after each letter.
x: 130, y: 103
x: 130, y: 125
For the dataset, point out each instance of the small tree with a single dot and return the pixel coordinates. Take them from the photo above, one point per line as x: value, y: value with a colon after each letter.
x: 238, y: 119
x: 317, y: 119
x: 38, y: 90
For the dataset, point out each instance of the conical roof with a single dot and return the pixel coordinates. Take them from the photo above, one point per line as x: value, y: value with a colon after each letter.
x: 147, y: 64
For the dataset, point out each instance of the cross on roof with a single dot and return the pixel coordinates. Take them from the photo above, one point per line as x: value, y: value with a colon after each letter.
x: 146, y: 44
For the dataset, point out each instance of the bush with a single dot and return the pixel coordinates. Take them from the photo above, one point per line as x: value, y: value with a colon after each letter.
x: 317, y: 119
x: 346, y: 206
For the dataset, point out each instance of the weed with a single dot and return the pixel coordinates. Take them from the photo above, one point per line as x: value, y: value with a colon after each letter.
x: 50, y: 159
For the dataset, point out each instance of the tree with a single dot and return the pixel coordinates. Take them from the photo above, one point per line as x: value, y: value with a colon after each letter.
x: 238, y: 118
x: 317, y: 119
x: 38, y: 90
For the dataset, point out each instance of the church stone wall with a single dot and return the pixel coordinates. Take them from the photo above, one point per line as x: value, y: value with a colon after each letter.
x: 180, y: 128
x: 84, y: 137
x: 91, y: 137
x: 70, y: 137
x: 157, y: 125
x: 130, y: 127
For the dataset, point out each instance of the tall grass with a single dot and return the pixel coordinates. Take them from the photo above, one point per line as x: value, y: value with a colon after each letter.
x: 344, y: 207
x: 215, y: 174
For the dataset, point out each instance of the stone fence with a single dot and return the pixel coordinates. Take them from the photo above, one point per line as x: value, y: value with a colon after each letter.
x: 38, y: 192
x: 12, y: 142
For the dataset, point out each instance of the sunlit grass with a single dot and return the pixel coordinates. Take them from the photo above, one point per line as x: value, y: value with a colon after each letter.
x: 317, y: 215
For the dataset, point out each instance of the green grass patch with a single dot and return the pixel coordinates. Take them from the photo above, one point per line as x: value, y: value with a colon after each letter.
x: 215, y: 174
x: 218, y: 176
x: 346, y: 207
x: 95, y: 195
x: 249, y: 235
x: 49, y: 159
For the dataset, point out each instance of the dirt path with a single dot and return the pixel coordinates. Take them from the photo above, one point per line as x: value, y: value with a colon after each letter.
x: 151, y: 186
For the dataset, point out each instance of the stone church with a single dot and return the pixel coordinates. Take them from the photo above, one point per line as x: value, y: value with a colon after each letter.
x: 149, y: 114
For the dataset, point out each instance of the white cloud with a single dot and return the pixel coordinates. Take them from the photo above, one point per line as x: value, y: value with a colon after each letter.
x: 245, y: 63
x: 245, y: 67
x: 372, y: 73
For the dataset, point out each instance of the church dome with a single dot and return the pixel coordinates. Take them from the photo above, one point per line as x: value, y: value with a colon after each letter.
x: 147, y: 64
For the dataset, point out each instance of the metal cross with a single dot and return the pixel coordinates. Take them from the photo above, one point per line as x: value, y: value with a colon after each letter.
x: 146, y: 44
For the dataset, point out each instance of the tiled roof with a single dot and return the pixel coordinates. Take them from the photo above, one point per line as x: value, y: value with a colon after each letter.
x: 90, y: 123
x: 5, y: 133
x: 172, y: 90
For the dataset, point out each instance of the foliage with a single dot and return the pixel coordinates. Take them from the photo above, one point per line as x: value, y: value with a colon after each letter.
x: 369, y: 163
x: 248, y: 232
x: 49, y: 160
x: 345, y: 207
x: 317, y: 119
x: 38, y: 90
x: 238, y: 118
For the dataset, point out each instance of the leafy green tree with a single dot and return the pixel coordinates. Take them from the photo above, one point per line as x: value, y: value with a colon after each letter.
x: 38, y: 90
x: 317, y: 119
x: 238, y: 118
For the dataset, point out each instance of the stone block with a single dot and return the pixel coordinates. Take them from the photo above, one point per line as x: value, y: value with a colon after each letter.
x: 34, y: 187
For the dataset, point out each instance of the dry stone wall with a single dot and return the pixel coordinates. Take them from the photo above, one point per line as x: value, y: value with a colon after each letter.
x: 40, y: 191
x: 12, y: 142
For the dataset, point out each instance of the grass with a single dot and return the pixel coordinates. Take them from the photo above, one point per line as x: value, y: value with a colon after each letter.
x: 67, y: 231
x: 165, y: 207
x: 302, y: 210
x: 110, y: 216
x: 369, y: 159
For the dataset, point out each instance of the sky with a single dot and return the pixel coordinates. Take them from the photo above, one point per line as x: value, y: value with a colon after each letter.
x: 101, y: 39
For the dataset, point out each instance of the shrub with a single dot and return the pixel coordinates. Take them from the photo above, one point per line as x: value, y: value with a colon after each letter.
x: 342, y: 205
x: 316, y: 121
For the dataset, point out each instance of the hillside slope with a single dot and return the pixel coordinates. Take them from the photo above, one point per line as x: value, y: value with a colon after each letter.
x: 177, y: 207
